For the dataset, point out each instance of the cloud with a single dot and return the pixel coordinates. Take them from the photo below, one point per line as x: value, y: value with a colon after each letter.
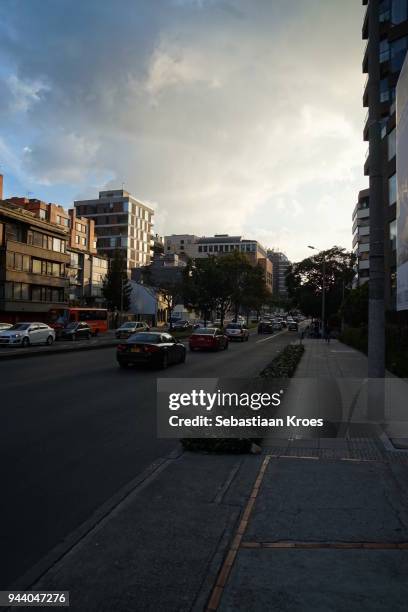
x: 241, y: 117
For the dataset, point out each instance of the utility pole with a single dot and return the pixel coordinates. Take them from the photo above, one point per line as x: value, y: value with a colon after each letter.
x: 376, y: 316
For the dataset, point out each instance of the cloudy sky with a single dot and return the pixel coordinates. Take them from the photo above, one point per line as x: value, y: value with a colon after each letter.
x: 228, y: 116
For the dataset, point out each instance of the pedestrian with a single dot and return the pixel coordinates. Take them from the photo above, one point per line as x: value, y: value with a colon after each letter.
x: 327, y: 334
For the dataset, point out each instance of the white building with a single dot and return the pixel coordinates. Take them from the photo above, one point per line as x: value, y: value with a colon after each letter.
x: 121, y: 223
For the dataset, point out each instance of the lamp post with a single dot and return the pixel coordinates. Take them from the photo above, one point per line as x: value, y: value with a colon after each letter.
x: 323, y: 287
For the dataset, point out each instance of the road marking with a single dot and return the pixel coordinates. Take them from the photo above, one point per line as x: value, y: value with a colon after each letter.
x: 226, y: 567
x: 270, y: 337
x: 335, y: 545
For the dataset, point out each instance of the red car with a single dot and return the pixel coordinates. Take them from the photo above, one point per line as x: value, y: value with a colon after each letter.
x: 208, y: 338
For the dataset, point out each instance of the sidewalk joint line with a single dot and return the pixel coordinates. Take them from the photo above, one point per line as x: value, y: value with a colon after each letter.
x: 236, y: 544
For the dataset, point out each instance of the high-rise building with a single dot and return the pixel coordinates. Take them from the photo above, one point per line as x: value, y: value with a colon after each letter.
x: 280, y: 267
x: 361, y: 237
x: 121, y: 223
x: 386, y: 60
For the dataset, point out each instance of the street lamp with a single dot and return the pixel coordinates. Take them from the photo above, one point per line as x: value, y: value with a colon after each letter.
x: 323, y: 287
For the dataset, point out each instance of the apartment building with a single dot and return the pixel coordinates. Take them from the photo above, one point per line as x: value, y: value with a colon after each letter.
x: 386, y: 59
x: 85, y: 270
x: 280, y: 265
x: 33, y: 264
x: 121, y: 223
x: 183, y: 245
x: 361, y: 237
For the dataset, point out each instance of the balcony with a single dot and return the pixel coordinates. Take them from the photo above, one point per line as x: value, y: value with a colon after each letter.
x: 364, y: 264
x: 365, y: 58
x: 365, y: 92
x: 364, y: 31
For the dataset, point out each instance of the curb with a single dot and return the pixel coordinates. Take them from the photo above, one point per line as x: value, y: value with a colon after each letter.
x: 56, y: 351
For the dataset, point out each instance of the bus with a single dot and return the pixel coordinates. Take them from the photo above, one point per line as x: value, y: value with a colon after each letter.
x: 97, y: 318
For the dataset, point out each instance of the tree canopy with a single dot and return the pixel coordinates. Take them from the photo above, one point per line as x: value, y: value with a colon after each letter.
x: 305, y: 280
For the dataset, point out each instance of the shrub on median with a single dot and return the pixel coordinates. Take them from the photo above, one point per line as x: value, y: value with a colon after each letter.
x: 285, y: 364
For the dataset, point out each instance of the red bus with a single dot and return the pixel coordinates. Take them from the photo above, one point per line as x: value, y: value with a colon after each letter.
x: 97, y: 318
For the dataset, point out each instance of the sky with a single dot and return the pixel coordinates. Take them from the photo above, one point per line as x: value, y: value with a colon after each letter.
x: 226, y: 116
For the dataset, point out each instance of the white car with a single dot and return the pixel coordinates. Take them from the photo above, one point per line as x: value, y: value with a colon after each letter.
x: 4, y: 326
x: 25, y: 334
x: 237, y: 331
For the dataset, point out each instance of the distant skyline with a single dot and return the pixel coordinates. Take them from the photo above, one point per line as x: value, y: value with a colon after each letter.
x: 226, y: 116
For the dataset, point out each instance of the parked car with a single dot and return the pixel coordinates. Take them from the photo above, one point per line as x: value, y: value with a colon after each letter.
x: 25, y: 334
x: 208, y: 338
x: 292, y: 326
x: 158, y: 349
x: 76, y: 331
x: 265, y: 327
x: 4, y: 326
x: 180, y: 325
x: 131, y: 327
x: 237, y: 331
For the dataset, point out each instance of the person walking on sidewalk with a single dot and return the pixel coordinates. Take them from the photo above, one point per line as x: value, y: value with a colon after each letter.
x: 327, y: 334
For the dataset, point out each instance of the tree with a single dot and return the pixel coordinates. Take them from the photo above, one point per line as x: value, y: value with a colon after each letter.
x: 305, y: 281
x: 218, y: 283
x: 171, y: 294
x: 116, y: 287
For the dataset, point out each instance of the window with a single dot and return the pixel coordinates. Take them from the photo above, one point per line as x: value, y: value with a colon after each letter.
x: 398, y: 11
x: 200, y: 249
x: 42, y: 214
x: 384, y: 92
x: 36, y: 266
x: 26, y: 263
x: 392, y: 143
x: 398, y: 49
x: 84, y: 241
x: 392, y: 189
x: 77, y: 238
x: 393, y: 234
x: 384, y: 50
x: 59, y: 219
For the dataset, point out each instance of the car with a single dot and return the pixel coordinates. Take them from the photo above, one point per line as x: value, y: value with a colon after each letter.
x: 208, y: 338
x: 180, y: 325
x: 237, y: 331
x: 76, y: 330
x: 292, y: 326
x: 158, y: 349
x: 131, y: 327
x: 277, y: 325
x: 265, y: 327
x: 27, y: 333
x: 4, y: 326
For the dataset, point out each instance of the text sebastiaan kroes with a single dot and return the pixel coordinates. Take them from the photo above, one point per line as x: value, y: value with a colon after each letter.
x: 219, y: 400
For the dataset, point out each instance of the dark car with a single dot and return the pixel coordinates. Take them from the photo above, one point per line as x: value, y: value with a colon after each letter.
x: 76, y: 331
x: 150, y: 348
x: 265, y: 327
x: 292, y: 326
x: 180, y: 325
x: 208, y: 338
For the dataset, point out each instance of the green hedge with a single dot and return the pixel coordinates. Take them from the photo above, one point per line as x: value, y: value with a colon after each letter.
x: 285, y: 364
x: 396, y: 347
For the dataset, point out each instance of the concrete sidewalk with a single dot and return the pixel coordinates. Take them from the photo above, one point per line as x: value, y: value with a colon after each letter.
x: 331, y: 360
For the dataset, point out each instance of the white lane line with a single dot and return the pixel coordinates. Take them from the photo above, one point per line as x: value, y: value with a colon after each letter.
x: 270, y: 337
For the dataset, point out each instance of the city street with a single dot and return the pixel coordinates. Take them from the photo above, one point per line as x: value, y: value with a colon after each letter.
x: 76, y: 429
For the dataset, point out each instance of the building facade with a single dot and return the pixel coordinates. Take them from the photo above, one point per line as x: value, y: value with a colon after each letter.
x: 387, y: 56
x: 191, y: 246
x: 280, y: 267
x: 33, y: 264
x: 361, y: 237
x: 121, y: 223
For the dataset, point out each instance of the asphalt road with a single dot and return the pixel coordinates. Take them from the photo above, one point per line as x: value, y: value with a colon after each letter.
x: 75, y: 429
